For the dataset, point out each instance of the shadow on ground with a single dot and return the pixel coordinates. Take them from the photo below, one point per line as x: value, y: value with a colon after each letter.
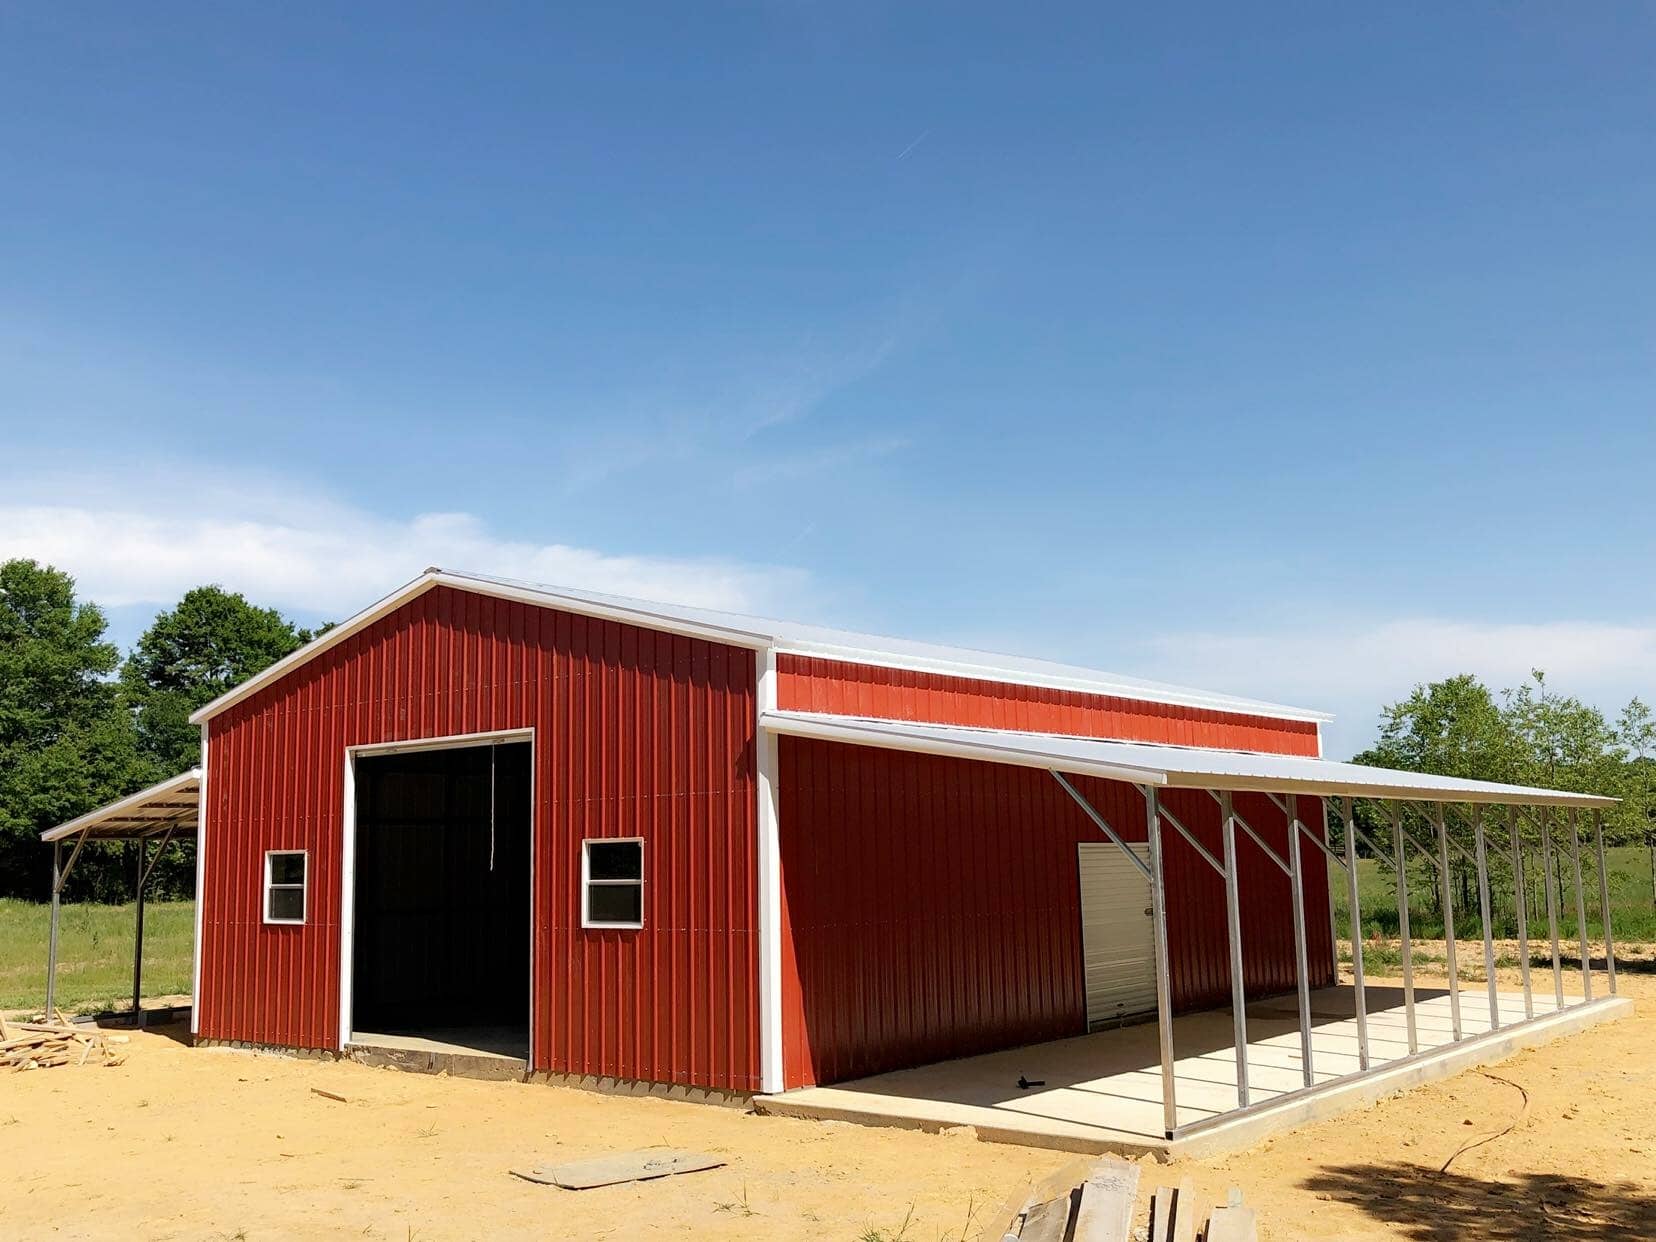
x: 1441, y: 1207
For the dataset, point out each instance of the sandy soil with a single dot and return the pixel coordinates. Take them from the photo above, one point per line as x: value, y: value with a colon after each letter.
x: 205, y: 1143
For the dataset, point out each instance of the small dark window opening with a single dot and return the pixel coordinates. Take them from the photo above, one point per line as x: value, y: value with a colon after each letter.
x: 285, y: 874
x: 613, y: 882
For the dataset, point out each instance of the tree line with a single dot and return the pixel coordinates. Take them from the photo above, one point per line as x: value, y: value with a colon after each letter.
x: 1523, y: 735
x: 81, y: 726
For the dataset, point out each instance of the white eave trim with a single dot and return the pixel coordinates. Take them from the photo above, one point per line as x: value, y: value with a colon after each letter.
x: 893, y: 736
x: 1084, y: 685
x: 1174, y: 767
x: 757, y: 639
x: 170, y: 788
x: 461, y: 582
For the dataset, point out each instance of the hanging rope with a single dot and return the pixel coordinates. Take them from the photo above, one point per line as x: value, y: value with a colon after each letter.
x: 492, y: 750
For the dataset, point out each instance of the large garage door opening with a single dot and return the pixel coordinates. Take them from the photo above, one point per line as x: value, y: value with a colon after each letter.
x: 440, y: 954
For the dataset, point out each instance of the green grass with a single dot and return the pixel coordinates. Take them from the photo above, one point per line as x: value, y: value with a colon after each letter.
x: 1633, y: 919
x: 94, y: 953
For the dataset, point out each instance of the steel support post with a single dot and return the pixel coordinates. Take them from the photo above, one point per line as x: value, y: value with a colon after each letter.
x: 1447, y: 901
x: 1233, y: 927
x: 1581, y: 910
x: 1402, y: 867
x: 1358, y: 996
x: 1302, y: 964
x: 1482, y: 855
x: 1604, y: 902
x: 1521, y: 908
x: 1164, y: 987
x: 52, y: 941
x: 1552, y: 909
x: 1333, y: 922
x: 138, y: 937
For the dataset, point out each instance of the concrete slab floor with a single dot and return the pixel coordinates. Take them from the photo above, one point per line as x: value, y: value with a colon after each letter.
x: 1102, y: 1092
x: 510, y: 1042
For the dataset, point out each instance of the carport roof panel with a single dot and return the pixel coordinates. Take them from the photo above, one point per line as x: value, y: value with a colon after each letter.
x: 1174, y: 767
x: 173, y: 804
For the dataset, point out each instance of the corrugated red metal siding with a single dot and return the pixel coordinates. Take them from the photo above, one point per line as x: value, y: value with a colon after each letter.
x: 637, y: 733
x: 931, y: 906
x: 811, y: 684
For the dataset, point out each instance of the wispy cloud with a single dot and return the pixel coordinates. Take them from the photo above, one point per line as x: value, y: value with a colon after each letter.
x: 317, y: 555
x: 903, y: 154
x: 795, y: 466
x: 1353, y: 669
x: 797, y: 385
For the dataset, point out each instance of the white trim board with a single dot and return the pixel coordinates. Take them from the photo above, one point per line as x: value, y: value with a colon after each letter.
x: 768, y: 771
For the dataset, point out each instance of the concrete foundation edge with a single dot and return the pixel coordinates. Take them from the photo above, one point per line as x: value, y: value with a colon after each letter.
x: 1378, y: 1085
x: 1246, y: 1131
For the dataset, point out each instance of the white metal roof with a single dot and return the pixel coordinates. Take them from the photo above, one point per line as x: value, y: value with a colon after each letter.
x: 173, y: 804
x: 785, y: 636
x: 1174, y: 767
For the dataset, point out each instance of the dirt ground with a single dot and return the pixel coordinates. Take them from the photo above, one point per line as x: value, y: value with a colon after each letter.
x: 211, y: 1143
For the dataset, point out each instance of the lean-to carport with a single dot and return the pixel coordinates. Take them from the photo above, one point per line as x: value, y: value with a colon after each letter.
x: 162, y: 814
x: 1409, y: 803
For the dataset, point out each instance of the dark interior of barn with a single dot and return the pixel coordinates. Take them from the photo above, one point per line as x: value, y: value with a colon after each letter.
x: 441, y: 928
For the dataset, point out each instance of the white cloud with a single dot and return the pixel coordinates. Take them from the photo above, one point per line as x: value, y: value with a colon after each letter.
x: 322, y: 557
x: 1354, y: 669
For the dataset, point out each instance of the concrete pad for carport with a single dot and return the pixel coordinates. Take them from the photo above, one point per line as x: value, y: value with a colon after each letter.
x: 1102, y: 1092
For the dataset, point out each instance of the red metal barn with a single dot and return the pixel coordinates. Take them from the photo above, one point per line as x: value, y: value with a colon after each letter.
x: 511, y: 830
x: 557, y: 820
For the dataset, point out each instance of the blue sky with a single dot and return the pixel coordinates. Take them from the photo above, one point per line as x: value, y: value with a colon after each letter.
x: 1300, y: 351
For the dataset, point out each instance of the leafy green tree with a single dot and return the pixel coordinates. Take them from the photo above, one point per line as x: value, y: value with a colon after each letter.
x: 65, y: 744
x: 211, y: 642
x: 1637, y: 730
x: 1453, y: 727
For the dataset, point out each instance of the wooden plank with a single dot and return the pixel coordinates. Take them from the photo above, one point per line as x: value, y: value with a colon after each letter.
x: 1049, y: 1221
x: 631, y: 1166
x: 1232, y: 1224
x: 1106, y: 1211
x: 1187, y: 1212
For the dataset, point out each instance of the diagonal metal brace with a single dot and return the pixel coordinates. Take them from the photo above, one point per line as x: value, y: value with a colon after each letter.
x: 1099, y: 820
x: 1380, y: 854
x: 1257, y: 839
x: 1184, y: 832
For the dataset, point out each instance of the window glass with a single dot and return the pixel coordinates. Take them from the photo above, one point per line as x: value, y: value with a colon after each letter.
x: 287, y: 904
x: 285, y: 886
x: 287, y: 868
x: 615, y: 860
x: 615, y: 903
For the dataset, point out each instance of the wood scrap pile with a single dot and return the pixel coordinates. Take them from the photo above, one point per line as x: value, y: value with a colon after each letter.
x: 1101, y: 1207
x: 44, y: 1044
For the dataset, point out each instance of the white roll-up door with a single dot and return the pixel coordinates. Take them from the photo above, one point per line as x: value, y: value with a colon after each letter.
x: 1117, y: 940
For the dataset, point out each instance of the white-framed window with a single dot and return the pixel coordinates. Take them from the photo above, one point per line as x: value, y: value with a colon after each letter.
x: 612, y: 882
x: 286, y: 885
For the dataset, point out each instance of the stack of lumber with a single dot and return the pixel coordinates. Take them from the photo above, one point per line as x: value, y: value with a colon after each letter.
x: 1099, y: 1207
x: 44, y: 1044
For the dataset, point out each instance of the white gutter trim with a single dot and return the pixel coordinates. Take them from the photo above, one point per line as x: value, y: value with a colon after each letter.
x: 896, y: 738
